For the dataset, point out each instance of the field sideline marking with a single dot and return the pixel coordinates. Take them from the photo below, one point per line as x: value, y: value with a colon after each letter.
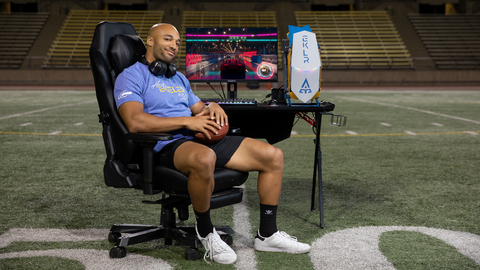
x: 50, y: 134
x: 44, y: 109
x: 389, y: 134
x: 414, y: 109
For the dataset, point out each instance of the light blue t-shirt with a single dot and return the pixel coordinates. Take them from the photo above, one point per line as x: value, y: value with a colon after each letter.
x: 160, y: 96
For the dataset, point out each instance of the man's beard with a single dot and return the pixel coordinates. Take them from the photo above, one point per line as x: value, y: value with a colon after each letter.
x: 164, y: 56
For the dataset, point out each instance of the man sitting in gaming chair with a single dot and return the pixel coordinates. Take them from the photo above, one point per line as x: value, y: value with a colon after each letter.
x: 160, y: 100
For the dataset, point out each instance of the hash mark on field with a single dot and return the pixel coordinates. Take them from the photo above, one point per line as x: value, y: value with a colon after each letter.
x: 385, y: 124
x: 293, y: 132
x: 471, y: 132
x: 55, y: 133
x: 437, y: 124
x: 410, y: 132
x: 351, y: 132
x: 25, y: 124
x: 78, y: 124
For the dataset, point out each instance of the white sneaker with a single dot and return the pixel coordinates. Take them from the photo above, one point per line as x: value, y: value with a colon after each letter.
x: 216, y: 249
x: 280, y: 242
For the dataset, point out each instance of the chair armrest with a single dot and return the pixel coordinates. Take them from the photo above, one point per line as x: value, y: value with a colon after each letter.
x: 148, y: 142
x: 149, y: 136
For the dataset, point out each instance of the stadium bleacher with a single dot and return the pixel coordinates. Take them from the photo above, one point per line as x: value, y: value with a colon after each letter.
x: 363, y: 41
x: 70, y: 47
x: 19, y: 32
x: 453, y: 41
x: 229, y: 19
x: 356, y: 39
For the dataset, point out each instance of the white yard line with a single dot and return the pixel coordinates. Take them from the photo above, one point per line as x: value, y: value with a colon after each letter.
x: 385, y: 124
x: 90, y: 258
x: 351, y: 248
x: 44, y: 109
x: 357, y: 248
x: 414, y: 109
x: 243, y: 242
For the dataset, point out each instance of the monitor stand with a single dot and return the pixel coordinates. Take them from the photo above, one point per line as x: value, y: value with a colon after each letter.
x: 232, y: 94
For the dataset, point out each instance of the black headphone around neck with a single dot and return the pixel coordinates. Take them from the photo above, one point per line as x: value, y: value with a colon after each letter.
x: 159, y: 67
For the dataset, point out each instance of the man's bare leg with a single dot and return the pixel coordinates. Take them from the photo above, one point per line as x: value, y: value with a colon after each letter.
x: 255, y: 155
x: 198, y: 163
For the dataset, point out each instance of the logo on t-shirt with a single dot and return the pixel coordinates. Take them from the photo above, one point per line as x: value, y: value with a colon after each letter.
x: 169, y: 89
x: 183, y: 96
x: 158, y: 84
x: 124, y: 94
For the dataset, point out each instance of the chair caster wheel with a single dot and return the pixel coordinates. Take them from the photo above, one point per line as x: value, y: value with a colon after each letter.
x: 192, y: 254
x: 227, y: 239
x: 113, y: 237
x: 118, y: 252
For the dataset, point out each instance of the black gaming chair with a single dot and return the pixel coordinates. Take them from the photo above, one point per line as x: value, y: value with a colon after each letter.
x: 116, y: 46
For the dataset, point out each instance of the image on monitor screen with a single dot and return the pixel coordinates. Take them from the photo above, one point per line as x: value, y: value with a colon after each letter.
x: 231, y: 54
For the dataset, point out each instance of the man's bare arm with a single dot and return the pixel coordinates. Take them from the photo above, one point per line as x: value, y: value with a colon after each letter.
x: 138, y: 121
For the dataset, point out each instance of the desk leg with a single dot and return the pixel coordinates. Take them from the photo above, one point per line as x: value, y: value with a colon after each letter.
x: 318, y: 165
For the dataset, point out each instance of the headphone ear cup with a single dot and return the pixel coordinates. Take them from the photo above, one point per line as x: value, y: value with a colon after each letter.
x: 158, y: 68
x: 171, y: 70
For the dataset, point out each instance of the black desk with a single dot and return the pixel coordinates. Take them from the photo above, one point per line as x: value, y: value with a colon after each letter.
x: 274, y: 123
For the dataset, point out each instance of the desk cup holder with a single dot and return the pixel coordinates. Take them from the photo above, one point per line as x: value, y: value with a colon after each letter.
x: 338, y: 120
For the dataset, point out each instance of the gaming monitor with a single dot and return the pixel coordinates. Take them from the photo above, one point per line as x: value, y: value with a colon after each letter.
x: 231, y: 54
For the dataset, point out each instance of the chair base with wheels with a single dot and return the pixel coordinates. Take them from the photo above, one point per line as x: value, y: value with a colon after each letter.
x: 129, y: 234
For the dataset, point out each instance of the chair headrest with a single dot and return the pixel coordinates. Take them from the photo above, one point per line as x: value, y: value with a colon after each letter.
x: 125, y: 51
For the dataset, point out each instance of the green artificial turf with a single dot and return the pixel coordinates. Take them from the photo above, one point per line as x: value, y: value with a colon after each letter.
x: 412, y: 250
x: 380, y: 177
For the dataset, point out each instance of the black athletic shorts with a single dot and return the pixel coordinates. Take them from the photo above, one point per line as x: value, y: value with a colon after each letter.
x: 224, y: 150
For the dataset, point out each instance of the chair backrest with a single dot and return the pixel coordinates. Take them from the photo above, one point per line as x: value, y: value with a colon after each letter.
x: 115, y: 46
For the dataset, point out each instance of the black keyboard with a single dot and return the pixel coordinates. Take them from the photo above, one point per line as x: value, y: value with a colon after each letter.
x: 229, y: 101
